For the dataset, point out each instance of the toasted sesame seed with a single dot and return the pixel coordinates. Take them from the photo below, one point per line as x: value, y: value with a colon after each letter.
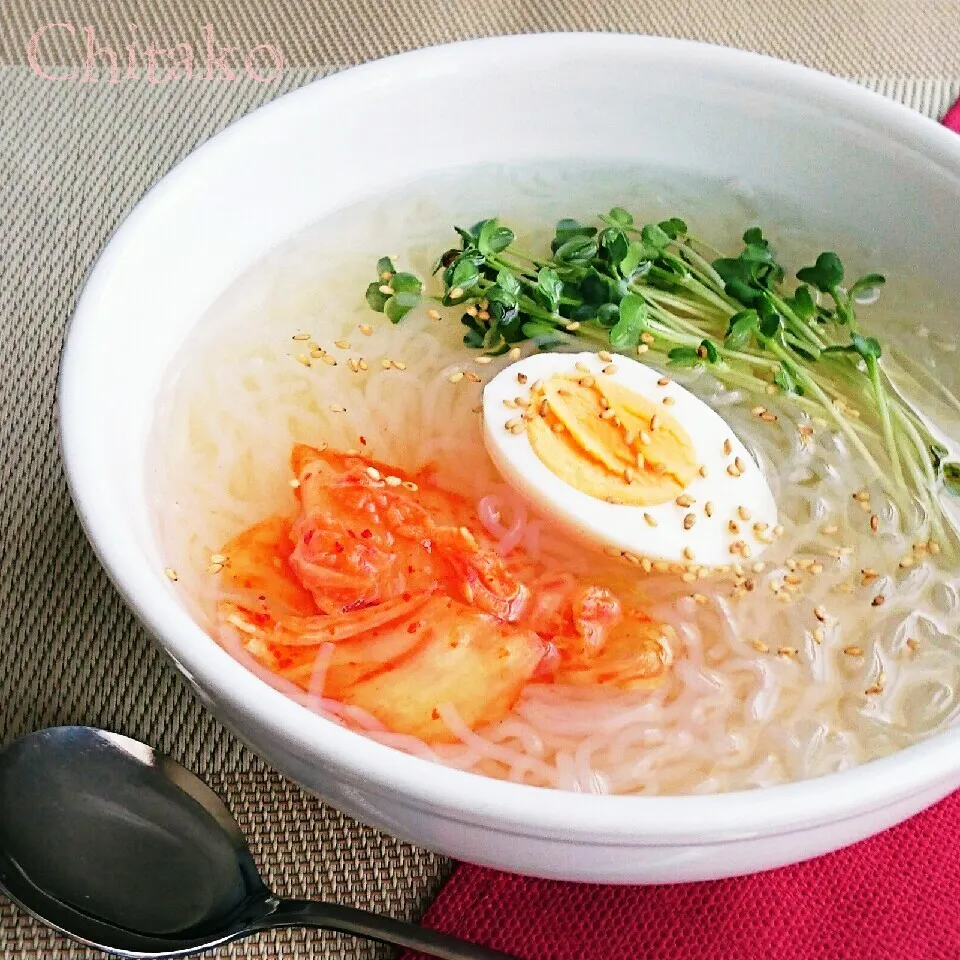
x: 689, y: 577
x: 294, y: 482
x: 757, y: 567
x: 514, y: 423
x: 337, y: 408
x: 386, y: 290
x: 610, y: 369
x: 702, y: 470
x: 513, y: 354
x: 342, y: 344
x: 301, y: 336
x: 647, y: 338
x: 392, y: 481
x: 582, y: 367
x: 668, y: 401
x: 572, y: 326
x: 818, y: 635
x: 862, y: 496
x: 906, y: 561
x: 758, y: 411
x: 913, y: 645
x: 727, y: 448
x: 458, y: 376
x: 853, y: 651
x: 483, y: 315
x: 768, y: 417
x: 732, y: 470
x: 354, y: 365
x: 700, y: 599
x: 740, y: 465
x: 317, y: 353
x: 689, y: 520
x: 708, y: 508
x: 608, y: 414
x: 410, y: 485
x: 820, y: 614
x: 805, y: 431
x: 329, y: 361
x: 587, y: 382
x: 684, y: 500
x: 642, y: 348
x: 878, y: 601
x: 654, y: 420
x: 456, y: 293
x: 743, y: 513
x: 787, y: 652
x: 171, y: 574
x: 471, y: 311
x: 605, y: 355
x: 214, y: 568
x: 399, y: 365
x: 630, y: 437
x: 650, y: 519
x: 688, y: 551
x: 373, y: 473
x: 362, y: 364
x: 645, y: 438
x: 304, y: 359
x: 483, y: 360
x: 628, y: 474
x: 472, y: 377
x: 759, y: 646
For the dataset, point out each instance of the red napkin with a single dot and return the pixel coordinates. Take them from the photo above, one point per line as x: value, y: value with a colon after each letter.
x: 952, y: 118
x: 892, y: 897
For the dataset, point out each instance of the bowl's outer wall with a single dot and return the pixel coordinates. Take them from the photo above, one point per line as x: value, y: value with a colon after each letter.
x: 705, y: 110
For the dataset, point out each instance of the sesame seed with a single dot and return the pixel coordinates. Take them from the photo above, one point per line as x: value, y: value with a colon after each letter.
x: 688, y: 552
x: 740, y: 465
x: 906, y: 562
x: 518, y: 402
x: 820, y: 614
x: 645, y: 438
x: 818, y: 635
x: 778, y: 530
x: 587, y: 382
x: 650, y: 519
x: 646, y: 564
x: 743, y: 513
x: 392, y: 481
x: 700, y: 599
x: 913, y: 645
x: 703, y: 470
x: 647, y: 338
x: 337, y: 408
x: 668, y: 401
x: 746, y: 552
x: 663, y: 381
x: 329, y: 361
x: 514, y: 423
x: 689, y: 577
x: 399, y: 365
x: 628, y: 474
x: 771, y: 389
x: 629, y: 437
x: 768, y: 417
x: 513, y: 354
x: 757, y: 567
x: 458, y: 376
x: 862, y: 496
x: 878, y: 601
x: 572, y: 326
x: 304, y: 359
x: 456, y: 293
x: 605, y: 355
x: 689, y: 520
x: 610, y: 369
x: 483, y: 315
x: 708, y: 508
x: 608, y: 414
x: 410, y: 485
x: 787, y: 652
x: 301, y: 336
x: 654, y: 420
x: 805, y: 431
x: 433, y: 314
x: 484, y: 360
x: 171, y: 574
x: 582, y: 367
x: 373, y: 473
x: 733, y: 471
x: 472, y: 377
x: 386, y: 290
x: 472, y: 311
x: 933, y: 547
x: 684, y: 500
x: 342, y: 344
x: 759, y: 646
x: 642, y: 349
x: 853, y: 651
x: 727, y: 448
x: 214, y: 568
x: 294, y: 482
x: 758, y: 411
x: 354, y: 365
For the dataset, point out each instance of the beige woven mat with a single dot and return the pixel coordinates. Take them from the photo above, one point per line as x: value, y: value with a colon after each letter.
x: 74, y: 157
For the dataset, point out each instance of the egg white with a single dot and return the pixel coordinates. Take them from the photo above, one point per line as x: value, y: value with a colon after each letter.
x: 625, y: 527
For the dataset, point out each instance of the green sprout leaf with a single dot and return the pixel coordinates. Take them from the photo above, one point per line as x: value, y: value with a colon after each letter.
x: 867, y: 284
x: 684, y: 357
x: 826, y: 274
x: 493, y: 238
x: 400, y: 304
x: 375, y: 298
x: 631, y: 323
x: 742, y: 328
x: 550, y: 286
x: 621, y: 216
x: 786, y: 380
x: 708, y: 351
x: 653, y: 235
x: 406, y: 283
x: 385, y: 265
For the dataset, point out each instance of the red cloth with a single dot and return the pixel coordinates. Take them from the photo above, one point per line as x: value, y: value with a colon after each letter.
x: 952, y: 117
x: 892, y: 897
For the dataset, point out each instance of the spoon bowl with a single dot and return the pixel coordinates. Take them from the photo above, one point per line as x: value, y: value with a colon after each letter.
x: 123, y: 849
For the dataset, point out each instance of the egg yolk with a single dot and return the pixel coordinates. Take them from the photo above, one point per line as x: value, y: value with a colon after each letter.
x: 609, y: 442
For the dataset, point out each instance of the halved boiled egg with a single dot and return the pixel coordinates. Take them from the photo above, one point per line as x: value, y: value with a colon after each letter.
x: 623, y: 456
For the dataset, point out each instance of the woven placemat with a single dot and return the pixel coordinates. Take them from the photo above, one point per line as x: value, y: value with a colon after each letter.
x: 74, y: 158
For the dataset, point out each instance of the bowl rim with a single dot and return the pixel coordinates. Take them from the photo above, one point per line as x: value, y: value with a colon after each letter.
x: 459, y: 795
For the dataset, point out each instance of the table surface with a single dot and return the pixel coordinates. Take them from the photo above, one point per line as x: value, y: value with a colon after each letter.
x: 74, y: 158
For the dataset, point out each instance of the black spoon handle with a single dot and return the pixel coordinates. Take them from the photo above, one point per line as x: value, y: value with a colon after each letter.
x: 332, y: 916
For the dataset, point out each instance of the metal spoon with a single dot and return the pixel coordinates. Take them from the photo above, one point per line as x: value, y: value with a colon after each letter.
x: 123, y: 849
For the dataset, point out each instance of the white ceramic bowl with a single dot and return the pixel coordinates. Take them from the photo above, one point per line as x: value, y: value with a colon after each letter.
x: 720, y: 112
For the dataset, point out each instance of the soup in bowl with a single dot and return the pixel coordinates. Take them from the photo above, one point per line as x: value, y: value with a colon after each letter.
x: 575, y: 498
